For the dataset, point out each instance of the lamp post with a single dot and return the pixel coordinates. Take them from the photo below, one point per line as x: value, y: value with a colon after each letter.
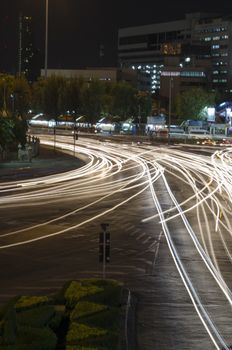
x: 139, y: 118
x: 13, y: 103
x: 46, y: 43
x: 4, y: 112
x: 170, y: 109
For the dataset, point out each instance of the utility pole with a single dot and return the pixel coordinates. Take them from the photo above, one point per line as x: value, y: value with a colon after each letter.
x: 46, y: 43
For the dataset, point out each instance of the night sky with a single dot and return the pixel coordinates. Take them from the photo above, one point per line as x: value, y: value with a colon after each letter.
x: 77, y: 28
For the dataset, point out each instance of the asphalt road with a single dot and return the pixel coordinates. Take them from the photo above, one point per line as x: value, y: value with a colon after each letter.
x: 114, y: 188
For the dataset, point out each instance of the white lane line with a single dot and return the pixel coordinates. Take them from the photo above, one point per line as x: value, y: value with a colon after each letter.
x: 157, y: 251
x: 140, y: 236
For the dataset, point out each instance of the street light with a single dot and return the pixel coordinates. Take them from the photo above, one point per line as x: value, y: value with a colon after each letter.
x: 4, y: 112
x: 46, y: 43
x: 170, y: 109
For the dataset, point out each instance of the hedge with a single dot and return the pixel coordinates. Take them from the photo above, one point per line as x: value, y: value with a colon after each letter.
x: 36, y: 317
x: 9, y: 327
x: 108, y: 319
x: 77, y: 291
x: 85, y: 308
x: 88, y: 318
x: 38, y: 338
x: 56, y: 320
x: 78, y: 331
x: 26, y: 302
x: 76, y: 347
x: 110, y: 295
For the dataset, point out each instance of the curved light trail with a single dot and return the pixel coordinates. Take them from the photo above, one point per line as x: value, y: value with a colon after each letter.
x: 204, y: 192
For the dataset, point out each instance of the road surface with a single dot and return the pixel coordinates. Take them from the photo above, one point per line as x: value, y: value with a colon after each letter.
x: 169, y: 213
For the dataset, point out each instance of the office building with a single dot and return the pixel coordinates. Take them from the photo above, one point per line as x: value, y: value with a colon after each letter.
x: 25, y: 47
x: 217, y: 33
x: 146, y: 47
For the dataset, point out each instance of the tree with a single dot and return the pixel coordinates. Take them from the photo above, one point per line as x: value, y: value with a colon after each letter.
x: 38, y: 89
x: 190, y: 103
x: 21, y: 96
x: 6, y: 89
x: 92, y: 98
x: 124, y: 100
x: 6, y: 132
x: 52, y: 104
x: 144, y: 104
x: 72, y: 95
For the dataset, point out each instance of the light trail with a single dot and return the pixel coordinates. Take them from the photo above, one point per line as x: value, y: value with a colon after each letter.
x: 112, y: 170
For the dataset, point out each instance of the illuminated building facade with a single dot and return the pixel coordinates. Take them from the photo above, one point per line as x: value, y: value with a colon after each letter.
x: 217, y: 33
x: 146, y: 47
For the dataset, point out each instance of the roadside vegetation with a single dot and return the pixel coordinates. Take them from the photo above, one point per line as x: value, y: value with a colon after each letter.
x: 59, y: 97
x: 84, y: 315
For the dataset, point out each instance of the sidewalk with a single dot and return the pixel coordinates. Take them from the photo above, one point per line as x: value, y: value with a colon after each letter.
x: 48, y: 162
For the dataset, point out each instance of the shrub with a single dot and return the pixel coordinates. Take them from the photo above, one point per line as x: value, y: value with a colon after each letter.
x: 56, y: 320
x: 85, y: 308
x: 79, y: 331
x: 100, y: 282
x: 36, y: 317
x: 26, y: 302
x: 108, y: 319
x: 1, y: 328
x: 9, y: 327
x: 108, y: 342
x: 5, y: 307
x: 76, y: 347
x: 76, y: 291
x: 110, y: 295
x: 37, y: 338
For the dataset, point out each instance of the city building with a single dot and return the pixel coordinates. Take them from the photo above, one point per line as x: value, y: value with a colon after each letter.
x: 217, y: 33
x: 109, y: 74
x: 146, y: 47
x: 25, y: 48
x: 185, y: 71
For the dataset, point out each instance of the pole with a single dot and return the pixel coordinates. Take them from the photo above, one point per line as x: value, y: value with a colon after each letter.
x: 12, y: 96
x: 54, y: 137
x: 139, y: 117
x: 74, y: 140
x: 104, y: 255
x: 46, y: 43
x: 170, y: 109
x: 4, y: 96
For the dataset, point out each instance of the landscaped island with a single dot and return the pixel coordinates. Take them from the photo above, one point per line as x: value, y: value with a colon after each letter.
x: 84, y: 315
